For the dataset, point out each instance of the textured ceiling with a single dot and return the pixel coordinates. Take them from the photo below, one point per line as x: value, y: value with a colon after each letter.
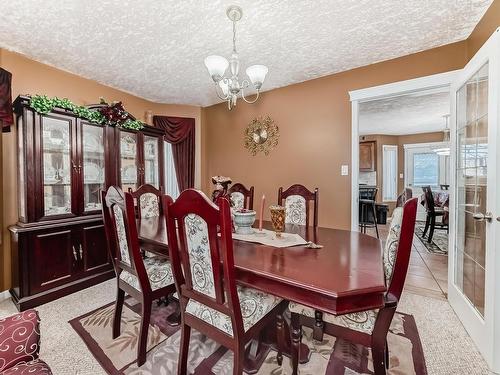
x: 407, y: 114
x: 155, y: 49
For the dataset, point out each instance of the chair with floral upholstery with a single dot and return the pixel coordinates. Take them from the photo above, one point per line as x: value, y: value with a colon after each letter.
x: 368, y: 328
x: 297, y: 203
x: 20, y: 345
x: 203, y: 266
x: 144, y: 279
x: 240, y: 196
x: 148, y: 200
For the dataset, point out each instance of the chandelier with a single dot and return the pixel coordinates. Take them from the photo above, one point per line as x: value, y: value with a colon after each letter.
x: 228, y: 88
x: 444, y: 151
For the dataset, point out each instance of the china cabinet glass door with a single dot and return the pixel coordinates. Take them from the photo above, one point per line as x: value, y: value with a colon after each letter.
x: 128, y: 160
x: 93, y: 166
x: 56, y: 155
x: 151, y: 164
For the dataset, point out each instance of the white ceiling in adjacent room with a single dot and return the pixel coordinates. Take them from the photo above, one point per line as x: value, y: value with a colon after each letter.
x: 155, y: 49
x: 407, y: 114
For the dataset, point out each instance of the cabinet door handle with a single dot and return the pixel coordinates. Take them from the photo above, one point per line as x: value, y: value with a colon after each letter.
x: 74, y: 253
x: 81, y: 251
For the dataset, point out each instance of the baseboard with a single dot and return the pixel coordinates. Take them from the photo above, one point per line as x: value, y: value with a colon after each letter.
x: 4, y: 295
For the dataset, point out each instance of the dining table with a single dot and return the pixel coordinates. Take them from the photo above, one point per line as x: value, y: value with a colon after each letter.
x: 344, y: 275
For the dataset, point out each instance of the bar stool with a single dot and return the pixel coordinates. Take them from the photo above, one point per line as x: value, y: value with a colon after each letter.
x: 366, y: 209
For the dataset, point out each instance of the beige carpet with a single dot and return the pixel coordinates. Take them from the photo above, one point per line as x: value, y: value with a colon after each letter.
x: 447, y: 347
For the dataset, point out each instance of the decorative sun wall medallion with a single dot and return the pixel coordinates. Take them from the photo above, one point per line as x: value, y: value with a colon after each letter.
x: 261, y: 135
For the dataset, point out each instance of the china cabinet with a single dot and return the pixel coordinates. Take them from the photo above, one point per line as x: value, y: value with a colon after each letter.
x: 59, y: 243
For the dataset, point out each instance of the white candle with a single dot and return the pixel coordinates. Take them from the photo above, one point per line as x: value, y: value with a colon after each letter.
x: 261, y: 215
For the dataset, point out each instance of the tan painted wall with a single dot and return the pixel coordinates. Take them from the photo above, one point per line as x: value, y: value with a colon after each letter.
x: 30, y: 77
x: 315, y: 125
x: 315, y: 131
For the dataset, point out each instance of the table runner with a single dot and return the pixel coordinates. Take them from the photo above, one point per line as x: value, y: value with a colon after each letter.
x: 268, y: 237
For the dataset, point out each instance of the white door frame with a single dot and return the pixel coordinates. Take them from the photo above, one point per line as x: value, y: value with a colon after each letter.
x: 436, y: 81
x: 485, y: 333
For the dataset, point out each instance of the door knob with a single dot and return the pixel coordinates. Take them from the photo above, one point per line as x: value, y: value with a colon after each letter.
x: 484, y: 217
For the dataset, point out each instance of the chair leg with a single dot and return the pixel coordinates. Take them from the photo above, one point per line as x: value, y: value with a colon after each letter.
x: 239, y: 358
x: 427, y: 222
x: 296, y: 339
x: 143, y: 333
x: 318, y: 326
x: 184, y: 350
x: 375, y: 219
x: 378, y: 355
x: 120, y: 298
x: 431, y: 231
x: 387, y: 360
x: 280, y: 333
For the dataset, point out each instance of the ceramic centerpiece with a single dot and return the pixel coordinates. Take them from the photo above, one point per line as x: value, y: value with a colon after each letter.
x: 243, y: 220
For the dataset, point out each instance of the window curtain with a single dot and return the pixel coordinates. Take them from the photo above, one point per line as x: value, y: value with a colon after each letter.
x: 6, y: 116
x: 179, y: 132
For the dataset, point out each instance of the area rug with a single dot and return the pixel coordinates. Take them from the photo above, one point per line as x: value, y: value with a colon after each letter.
x: 330, y: 356
x: 439, y: 244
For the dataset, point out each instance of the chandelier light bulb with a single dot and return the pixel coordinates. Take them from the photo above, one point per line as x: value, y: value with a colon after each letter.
x: 257, y: 74
x: 216, y: 66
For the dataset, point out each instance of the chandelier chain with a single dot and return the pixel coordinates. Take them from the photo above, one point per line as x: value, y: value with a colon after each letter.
x: 234, y: 36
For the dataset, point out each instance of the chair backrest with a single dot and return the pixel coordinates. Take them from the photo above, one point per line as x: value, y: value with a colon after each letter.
x: 398, y: 245
x: 121, y: 232
x: 369, y: 193
x: 148, y: 200
x: 403, y: 197
x: 203, y: 266
x: 297, y: 204
x: 429, y: 198
x: 240, y: 196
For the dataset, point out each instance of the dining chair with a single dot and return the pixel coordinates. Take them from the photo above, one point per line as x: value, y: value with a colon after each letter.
x: 432, y: 213
x: 148, y: 200
x: 367, y: 209
x: 203, y: 267
x: 145, y: 279
x: 404, y: 196
x: 240, y: 196
x: 297, y: 203
x: 368, y: 328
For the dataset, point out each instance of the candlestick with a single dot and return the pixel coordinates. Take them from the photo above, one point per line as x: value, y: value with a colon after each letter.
x: 261, y: 214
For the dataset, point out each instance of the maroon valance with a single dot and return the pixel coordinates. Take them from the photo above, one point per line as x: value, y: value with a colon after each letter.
x: 179, y: 131
x: 6, y: 116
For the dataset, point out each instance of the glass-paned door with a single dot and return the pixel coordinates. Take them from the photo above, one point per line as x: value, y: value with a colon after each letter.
x: 93, y: 166
x: 56, y: 154
x: 471, y: 187
x: 474, y: 258
x: 151, y: 162
x: 128, y: 160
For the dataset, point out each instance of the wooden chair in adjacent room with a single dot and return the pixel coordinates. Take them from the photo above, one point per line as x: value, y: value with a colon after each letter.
x: 240, y: 196
x: 203, y: 266
x: 368, y: 328
x: 297, y: 201
x: 146, y: 279
x: 432, y: 213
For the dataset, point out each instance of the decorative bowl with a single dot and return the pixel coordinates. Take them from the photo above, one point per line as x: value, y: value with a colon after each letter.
x: 243, y: 220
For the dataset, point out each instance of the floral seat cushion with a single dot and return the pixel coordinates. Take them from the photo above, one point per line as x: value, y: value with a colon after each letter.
x: 254, y: 306
x: 363, y: 321
x: 36, y: 367
x: 159, y: 273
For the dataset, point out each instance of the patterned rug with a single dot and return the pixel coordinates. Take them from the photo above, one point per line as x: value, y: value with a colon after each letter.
x: 206, y: 357
x: 439, y: 244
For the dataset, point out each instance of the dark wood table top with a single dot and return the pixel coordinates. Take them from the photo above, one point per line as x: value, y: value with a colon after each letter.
x: 346, y: 275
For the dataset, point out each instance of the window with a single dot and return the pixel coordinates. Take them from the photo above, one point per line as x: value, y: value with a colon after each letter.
x: 390, y: 173
x: 171, y: 185
x: 425, y: 169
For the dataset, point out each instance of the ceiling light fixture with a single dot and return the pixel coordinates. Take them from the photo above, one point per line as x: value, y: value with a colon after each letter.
x: 228, y: 88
